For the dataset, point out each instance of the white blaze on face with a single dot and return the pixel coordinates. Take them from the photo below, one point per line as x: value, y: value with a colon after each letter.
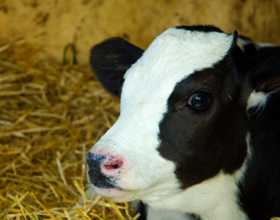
x: 171, y: 57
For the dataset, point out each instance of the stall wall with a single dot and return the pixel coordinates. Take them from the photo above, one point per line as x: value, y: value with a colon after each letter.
x: 51, y: 24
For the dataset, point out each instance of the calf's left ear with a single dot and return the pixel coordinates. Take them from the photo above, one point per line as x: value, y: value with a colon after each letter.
x: 110, y: 60
x: 263, y: 76
x: 266, y: 77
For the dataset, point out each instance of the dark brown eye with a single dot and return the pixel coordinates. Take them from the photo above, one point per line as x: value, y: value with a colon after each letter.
x: 200, y: 101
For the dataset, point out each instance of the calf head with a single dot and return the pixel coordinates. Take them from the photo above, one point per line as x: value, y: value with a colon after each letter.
x: 183, y: 113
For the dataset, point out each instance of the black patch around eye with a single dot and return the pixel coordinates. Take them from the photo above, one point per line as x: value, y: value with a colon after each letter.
x: 200, y: 101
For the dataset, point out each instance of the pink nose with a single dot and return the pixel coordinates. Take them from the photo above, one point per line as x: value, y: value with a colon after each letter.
x: 113, y: 165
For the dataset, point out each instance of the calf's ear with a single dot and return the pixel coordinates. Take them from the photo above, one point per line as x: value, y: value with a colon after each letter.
x: 110, y: 60
x: 241, y: 60
x: 266, y: 78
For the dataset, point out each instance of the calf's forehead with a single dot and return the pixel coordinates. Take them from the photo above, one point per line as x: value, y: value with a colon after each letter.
x: 172, y: 57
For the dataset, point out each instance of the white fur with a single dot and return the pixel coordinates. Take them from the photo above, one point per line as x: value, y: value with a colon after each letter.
x: 260, y: 45
x: 215, y: 198
x: 159, y: 214
x: 172, y: 57
x: 257, y: 99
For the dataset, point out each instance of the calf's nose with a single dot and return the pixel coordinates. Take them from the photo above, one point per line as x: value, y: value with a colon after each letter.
x: 106, y: 164
x: 94, y: 160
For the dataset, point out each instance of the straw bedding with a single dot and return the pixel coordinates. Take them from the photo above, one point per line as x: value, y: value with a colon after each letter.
x: 50, y: 116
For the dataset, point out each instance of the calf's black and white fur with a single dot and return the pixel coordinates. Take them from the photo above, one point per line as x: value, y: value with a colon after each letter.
x: 198, y: 136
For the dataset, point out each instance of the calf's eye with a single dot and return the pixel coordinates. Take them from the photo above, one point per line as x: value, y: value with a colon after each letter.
x: 200, y: 101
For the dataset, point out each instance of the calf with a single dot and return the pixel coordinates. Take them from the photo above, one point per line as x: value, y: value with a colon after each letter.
x: 198, y: 134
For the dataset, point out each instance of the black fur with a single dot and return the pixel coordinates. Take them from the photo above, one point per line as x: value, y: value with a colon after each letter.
x: 250, y: 49
x: 240, y: 61
x: 267, y: 75
x: 260, y: 189
x: 201, y: 28
x: 111, y: 59
x: 268, y: 52
x: 141, y: 208
x: 204, y: 143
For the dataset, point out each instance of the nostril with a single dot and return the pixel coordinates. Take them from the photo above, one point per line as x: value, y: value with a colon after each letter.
x: 103, y: 164
x: 113, y: 165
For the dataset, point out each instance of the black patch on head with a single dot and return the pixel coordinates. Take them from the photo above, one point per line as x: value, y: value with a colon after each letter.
x: 202, y: 144
x: 96, y: 177
x: 201, y: 28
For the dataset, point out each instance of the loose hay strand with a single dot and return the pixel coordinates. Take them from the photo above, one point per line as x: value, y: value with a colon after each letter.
x: 80, y: 189
x: 60, y: 169
x: 116, y: 208
x: 21, y: 208
x: 82, y: 212
x: 41, y: 204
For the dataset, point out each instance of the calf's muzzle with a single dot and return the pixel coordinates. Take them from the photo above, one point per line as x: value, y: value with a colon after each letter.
x: 104, y: 169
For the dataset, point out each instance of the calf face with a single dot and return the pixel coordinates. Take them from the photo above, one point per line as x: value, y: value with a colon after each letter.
x: 183, y: 129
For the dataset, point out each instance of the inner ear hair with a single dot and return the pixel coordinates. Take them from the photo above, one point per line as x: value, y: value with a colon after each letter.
x: 270, y: 85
